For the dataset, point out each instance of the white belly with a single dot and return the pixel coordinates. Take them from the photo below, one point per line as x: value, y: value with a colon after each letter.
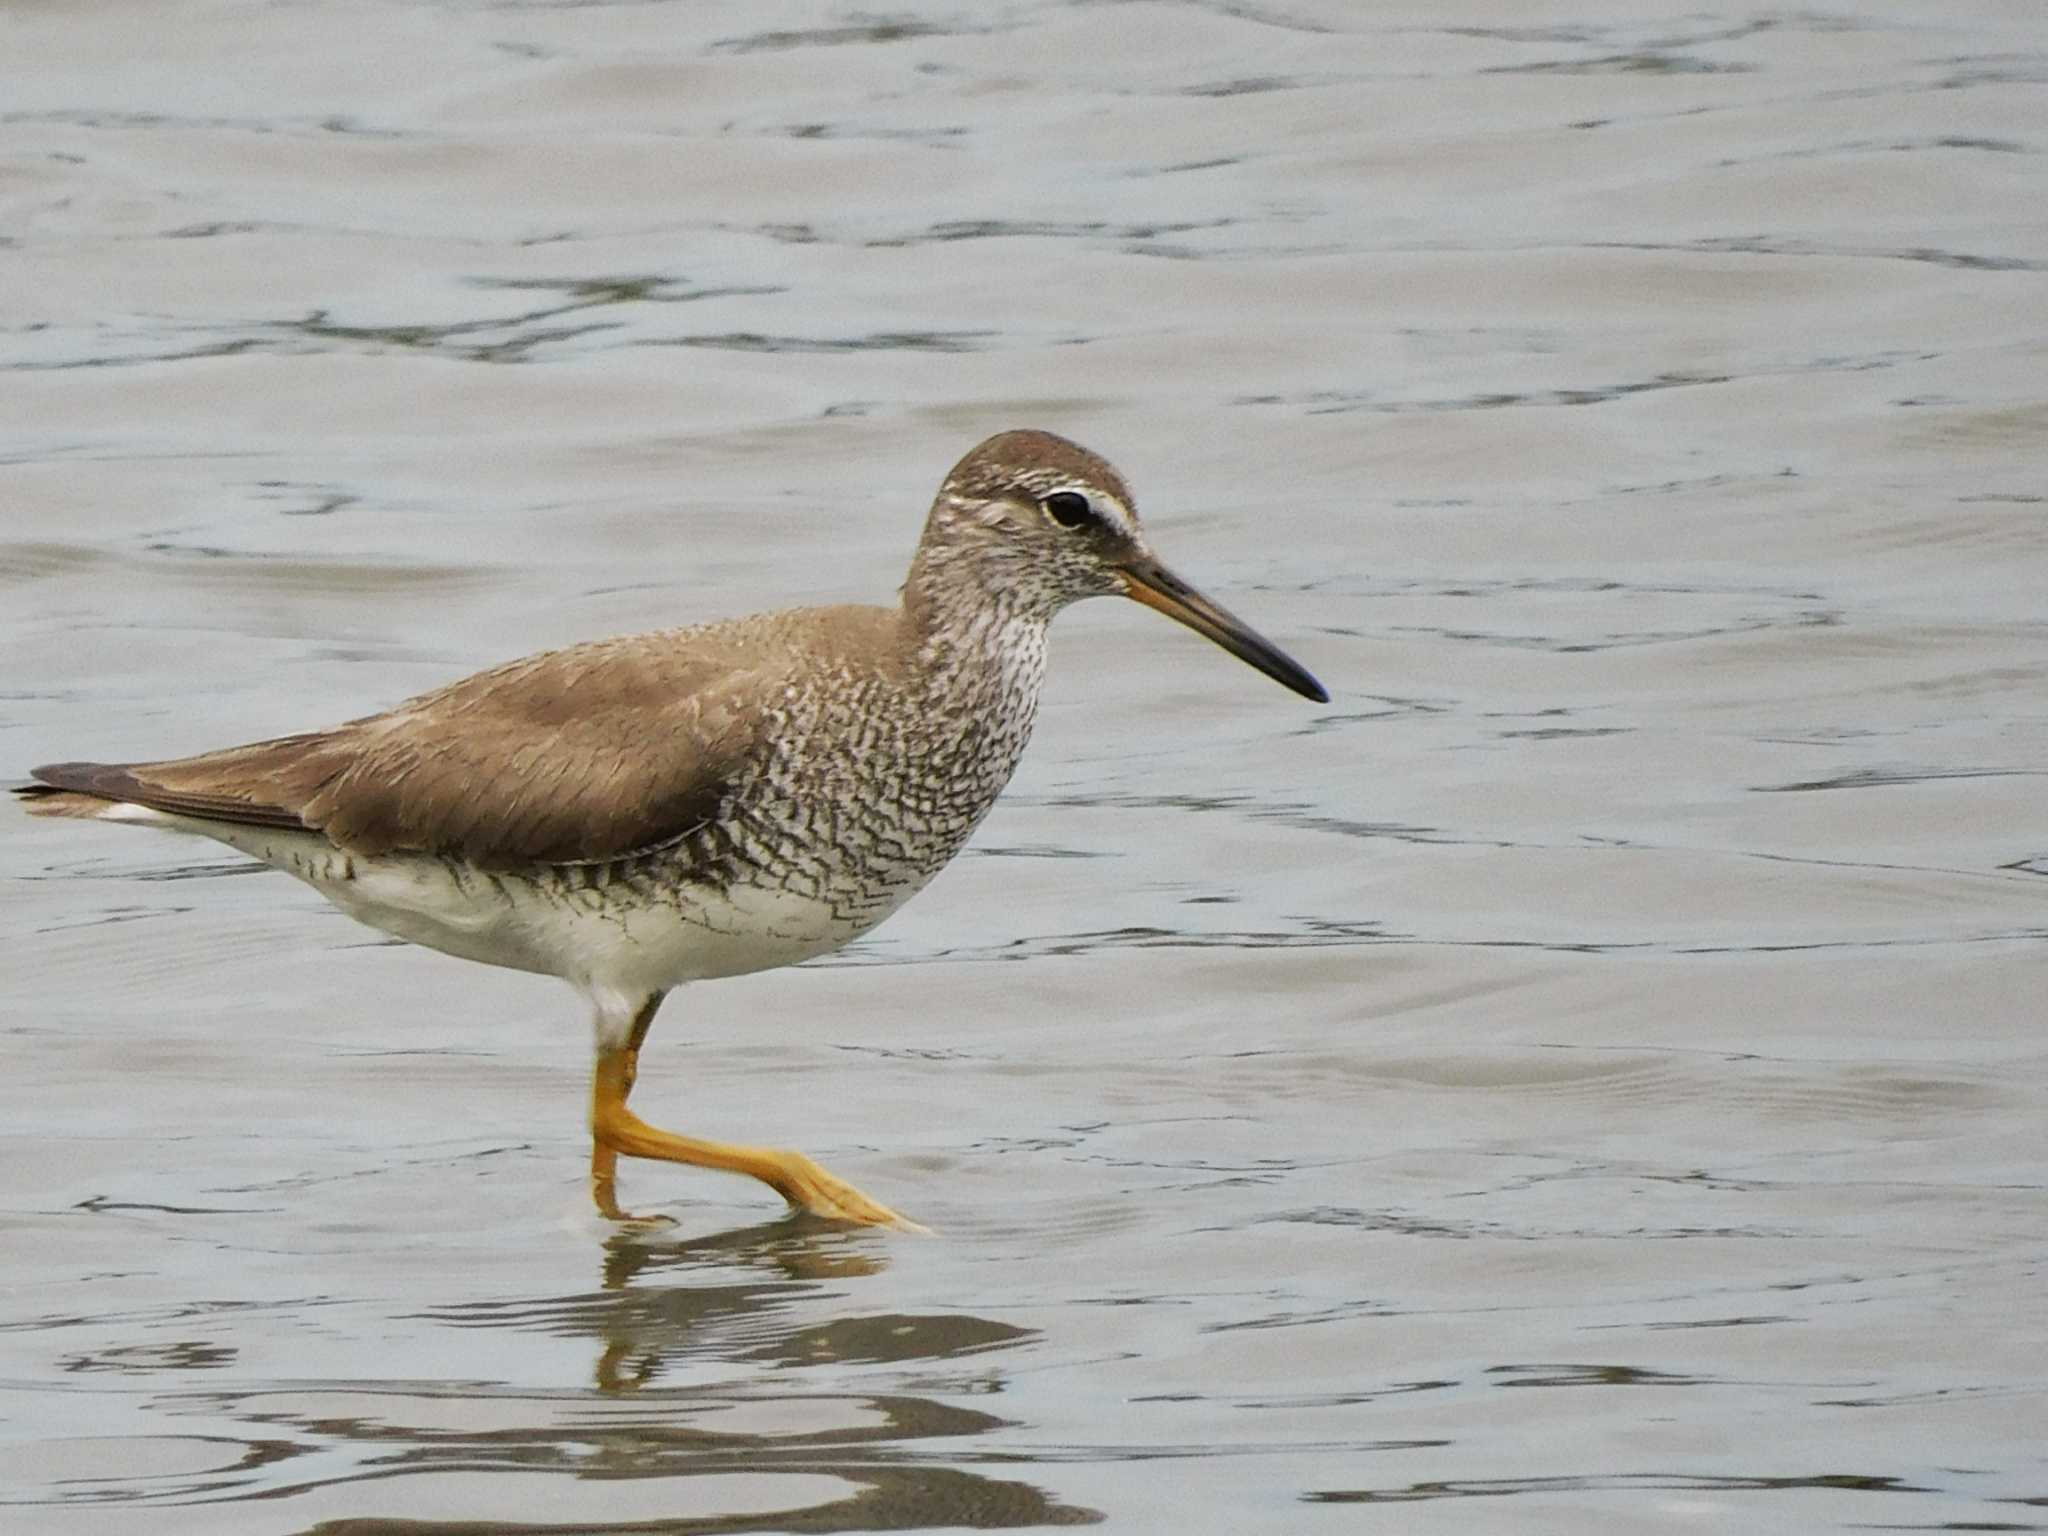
x: 597, y: 938
x: 592, y: 937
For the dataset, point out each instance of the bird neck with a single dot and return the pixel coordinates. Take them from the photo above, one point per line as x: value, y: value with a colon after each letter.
x: 973, y: 644
x: 971, y: 632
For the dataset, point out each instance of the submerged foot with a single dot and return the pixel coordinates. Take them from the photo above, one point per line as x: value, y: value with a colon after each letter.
x: 633, y: 1221
x: 604, y: 1195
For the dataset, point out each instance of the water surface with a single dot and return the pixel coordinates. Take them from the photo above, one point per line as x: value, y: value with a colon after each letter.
x: 1588, y: 1077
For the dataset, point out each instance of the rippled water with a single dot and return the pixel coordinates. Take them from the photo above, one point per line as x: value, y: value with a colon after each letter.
x: 1589, y: 1077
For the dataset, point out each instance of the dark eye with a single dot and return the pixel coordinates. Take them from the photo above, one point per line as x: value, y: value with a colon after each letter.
x: 1069, y: 509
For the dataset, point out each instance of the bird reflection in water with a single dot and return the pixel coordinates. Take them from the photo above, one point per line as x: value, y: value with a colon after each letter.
x: 770, y: 1296
x: 641, y: 1324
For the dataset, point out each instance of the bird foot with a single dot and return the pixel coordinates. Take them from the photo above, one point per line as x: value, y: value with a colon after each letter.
x: 617, y: 1132
x: 810, y: 1188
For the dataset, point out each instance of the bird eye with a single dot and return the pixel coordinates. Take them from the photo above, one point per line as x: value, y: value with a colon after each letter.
x: 1069, y: 509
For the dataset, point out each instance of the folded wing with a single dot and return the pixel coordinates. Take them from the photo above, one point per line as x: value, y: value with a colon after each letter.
x: 583, y: 754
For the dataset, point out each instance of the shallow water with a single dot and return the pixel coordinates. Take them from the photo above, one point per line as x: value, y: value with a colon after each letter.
x: 1588, y: 1077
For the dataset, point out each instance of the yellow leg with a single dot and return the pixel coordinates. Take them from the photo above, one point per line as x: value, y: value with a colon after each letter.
x: 604, y: 1159
x: 604, y: 1164
x: 616, y: 1130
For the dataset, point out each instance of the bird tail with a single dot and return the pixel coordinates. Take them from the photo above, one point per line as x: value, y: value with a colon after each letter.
x: 48, y: 800
x: 87, y: 792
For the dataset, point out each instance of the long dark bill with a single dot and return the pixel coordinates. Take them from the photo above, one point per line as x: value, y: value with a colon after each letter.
x: 1155, y: 586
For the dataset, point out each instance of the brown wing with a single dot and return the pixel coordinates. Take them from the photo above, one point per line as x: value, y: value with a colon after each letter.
x: 581, y: 754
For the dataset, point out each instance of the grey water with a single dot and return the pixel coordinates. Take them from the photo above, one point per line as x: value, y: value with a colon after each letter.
x: 1589, y: 1077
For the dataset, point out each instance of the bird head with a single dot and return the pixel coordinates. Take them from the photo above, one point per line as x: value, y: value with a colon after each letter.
x: 1032, y: 521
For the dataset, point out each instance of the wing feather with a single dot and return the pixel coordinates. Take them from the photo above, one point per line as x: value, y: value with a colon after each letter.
x: 580, y: 755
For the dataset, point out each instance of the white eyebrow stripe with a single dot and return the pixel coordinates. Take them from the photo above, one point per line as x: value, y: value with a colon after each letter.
x: 1104, y: 503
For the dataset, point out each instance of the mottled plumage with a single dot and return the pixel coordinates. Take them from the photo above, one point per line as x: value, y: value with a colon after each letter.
x: 634, y: 813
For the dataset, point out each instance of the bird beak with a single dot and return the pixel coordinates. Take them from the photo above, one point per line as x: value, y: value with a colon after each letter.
x: 1149, y: 582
